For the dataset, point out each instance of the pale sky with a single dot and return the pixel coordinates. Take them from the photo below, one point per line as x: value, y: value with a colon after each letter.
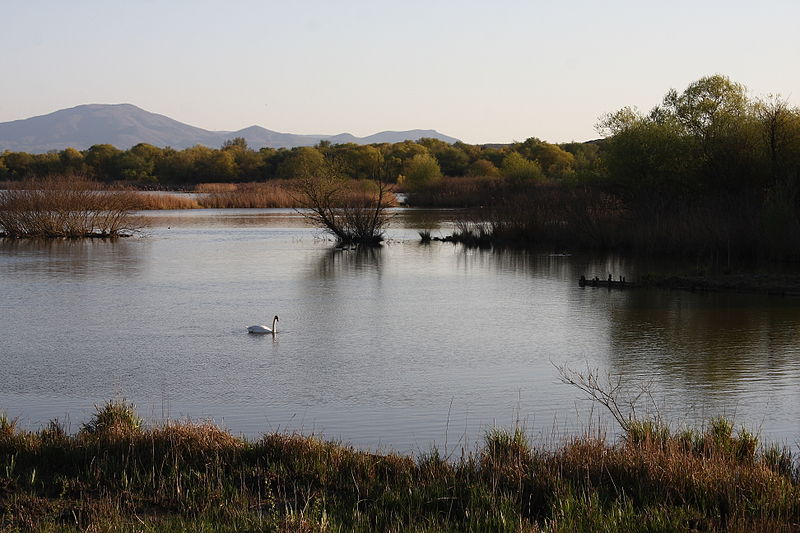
x: 480, y: 71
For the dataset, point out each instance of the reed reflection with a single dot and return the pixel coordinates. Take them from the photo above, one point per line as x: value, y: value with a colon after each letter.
x: 79, y: 259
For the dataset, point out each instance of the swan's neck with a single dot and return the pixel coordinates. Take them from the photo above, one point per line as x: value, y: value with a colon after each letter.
x: 274, y: 325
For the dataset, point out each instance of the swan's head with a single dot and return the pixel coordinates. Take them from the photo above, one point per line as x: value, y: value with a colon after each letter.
x: 275, y: 318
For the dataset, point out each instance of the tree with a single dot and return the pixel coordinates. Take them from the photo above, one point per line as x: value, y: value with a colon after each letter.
x: 397, y: 155
x: 102, y: 159
x: 301, y: 163
x: 520, y: 170
x: 420, y: 171
x: 650, y: 162
x: 72, y: 161
x: 328, y: 203
x: 357, y: 161
x: 18, y: 165
x: 554, y: 162
x: 779, y: 127
x: 483, y: 167
x: 452, y: 160
x: 236, y: 144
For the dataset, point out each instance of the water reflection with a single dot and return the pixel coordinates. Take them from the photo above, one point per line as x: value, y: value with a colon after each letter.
x: 73, y: 258
x: 349, y: 260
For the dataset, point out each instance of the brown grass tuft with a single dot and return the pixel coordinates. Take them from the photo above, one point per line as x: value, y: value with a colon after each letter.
x: 191, y: 435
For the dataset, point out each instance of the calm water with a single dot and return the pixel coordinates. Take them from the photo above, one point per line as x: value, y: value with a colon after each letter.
x: 396, y: 348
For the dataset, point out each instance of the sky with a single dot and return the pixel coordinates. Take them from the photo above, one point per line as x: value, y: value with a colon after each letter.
x: 480, y: 71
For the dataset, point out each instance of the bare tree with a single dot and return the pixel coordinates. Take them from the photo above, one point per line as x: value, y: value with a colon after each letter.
x: 610, y: 392
x: 329, y: 201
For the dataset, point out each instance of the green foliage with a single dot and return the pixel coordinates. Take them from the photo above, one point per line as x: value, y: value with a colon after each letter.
x: 397, y: 155
x: 102, y: 160
x: 483, y: 167
x: 517, y: 169
x: 452, y: 159
x: 72, y: 161
x: 360, y: 162
x: 301, y: 163
x: 422, y: 170
x: 553, y: 161
x: 18, y: 165
x: 709, y: 165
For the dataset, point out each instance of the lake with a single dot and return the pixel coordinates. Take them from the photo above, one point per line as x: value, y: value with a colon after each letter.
x: 399, y: 348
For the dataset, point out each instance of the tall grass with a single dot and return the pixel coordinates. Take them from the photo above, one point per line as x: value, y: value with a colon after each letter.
x: 67, y: 207
x: 245, y: 195
x: 149, y: 201
x: 118, y: 475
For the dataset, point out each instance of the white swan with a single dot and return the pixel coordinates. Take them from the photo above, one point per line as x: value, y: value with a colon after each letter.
x: 264, y: 329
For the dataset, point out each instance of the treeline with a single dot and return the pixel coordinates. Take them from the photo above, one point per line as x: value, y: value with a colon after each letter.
x: 710, y: 170
x: 710, y: 173
x: 415, y: 163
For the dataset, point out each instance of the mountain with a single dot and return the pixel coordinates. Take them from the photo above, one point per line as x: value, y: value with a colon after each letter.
x: 125, y: 125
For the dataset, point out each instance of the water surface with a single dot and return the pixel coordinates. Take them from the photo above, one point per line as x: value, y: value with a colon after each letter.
x: 400, y: 347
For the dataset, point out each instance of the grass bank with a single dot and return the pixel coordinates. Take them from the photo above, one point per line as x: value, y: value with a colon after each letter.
x: 117, y: 475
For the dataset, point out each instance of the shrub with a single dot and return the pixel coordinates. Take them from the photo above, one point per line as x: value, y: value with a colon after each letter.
x: 67, y: 207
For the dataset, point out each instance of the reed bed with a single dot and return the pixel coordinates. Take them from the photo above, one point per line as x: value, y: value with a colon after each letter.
x: 67, y: 208
x: 116, y: 474
x: 275, y: 193
x: 246, y: 195
x: 165, y: 201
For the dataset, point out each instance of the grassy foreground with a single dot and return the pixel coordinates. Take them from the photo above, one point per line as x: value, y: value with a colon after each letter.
x: 116, y: 475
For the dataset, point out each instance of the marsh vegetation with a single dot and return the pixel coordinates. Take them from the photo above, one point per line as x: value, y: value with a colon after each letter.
x: 117, y: 474
x: 68, y: 208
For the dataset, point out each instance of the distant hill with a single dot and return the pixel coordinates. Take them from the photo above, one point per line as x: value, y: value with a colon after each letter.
x: 125, y: 125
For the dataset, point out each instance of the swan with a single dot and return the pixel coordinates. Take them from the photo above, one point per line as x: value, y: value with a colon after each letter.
x: 264, y: 329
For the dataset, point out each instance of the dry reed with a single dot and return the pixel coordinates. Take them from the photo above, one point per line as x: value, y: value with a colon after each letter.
x: 149, y: 201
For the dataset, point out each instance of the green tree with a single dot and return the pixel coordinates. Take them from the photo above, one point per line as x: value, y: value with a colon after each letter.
x: 554, y: 162
x: 235, y: 144
x: 421, y: 170
x: 72, y: 161
x: 518, y: 169
x: 650, y: 162
x: 483, y: 167
x: 212, y: 165
x: 452, y: 160
x: 248, y: 162
x: 18, y: 165
x: 357, y: 161
x: 46, y: 164
x: 303, y: 162
x: 102, y: 160
x: 715, y: 114
x: 397, y: 155
x: 588, y: 162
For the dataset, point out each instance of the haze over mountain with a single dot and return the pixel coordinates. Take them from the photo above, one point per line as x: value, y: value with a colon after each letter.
x: 125, y: 125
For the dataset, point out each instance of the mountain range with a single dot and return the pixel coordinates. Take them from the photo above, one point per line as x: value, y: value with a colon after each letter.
x: 125, y: 125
